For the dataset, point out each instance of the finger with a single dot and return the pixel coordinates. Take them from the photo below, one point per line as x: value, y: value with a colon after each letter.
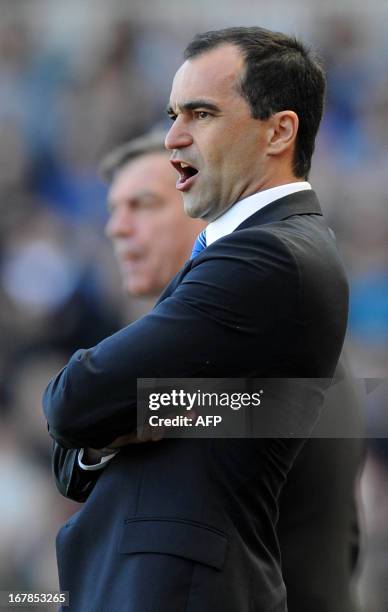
x: 158, y: 433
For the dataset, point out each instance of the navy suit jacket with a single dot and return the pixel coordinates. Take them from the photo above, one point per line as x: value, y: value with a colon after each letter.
x: 191, y: 524
x: 318, y: 527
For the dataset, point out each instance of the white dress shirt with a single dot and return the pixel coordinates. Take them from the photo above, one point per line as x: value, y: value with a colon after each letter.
x: 222, y: 226
x: 247, y: 207
x: 94, y: 466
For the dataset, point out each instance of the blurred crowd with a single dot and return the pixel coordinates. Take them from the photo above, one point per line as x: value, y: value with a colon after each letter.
x: 61, y: 110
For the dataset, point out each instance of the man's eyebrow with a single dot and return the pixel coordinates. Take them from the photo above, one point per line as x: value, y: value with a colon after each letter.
x: 191, y: 105
x: 136, y: 197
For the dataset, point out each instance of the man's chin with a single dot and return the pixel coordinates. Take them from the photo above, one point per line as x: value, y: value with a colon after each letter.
x: 135, y: 287
x: 194, y: 207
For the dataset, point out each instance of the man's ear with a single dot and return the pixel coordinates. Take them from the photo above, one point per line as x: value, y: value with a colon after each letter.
x: 284, y: 128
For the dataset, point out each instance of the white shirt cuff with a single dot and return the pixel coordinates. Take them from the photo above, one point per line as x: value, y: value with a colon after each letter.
x: 94, y: 466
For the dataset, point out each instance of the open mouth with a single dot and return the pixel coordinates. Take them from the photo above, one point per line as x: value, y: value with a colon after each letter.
x: 187, y: 174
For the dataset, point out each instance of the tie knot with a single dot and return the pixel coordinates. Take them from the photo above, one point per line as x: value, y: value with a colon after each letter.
x: 199, y: 244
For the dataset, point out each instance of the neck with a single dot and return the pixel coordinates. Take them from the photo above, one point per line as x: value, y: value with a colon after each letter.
x: 273, y: 179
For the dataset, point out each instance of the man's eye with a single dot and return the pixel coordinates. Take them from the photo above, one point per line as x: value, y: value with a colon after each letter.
x: 202, y: 114
x: 172, y: 117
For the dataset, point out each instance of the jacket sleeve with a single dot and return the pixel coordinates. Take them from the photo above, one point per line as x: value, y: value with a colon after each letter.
x: 71, y: 481
x: 212, y: 325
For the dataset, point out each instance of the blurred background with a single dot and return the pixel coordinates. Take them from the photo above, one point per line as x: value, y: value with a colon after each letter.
x: 78, y: 78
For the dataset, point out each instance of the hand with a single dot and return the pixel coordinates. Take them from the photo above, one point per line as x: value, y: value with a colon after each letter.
x: 143, y: 434
x: 92, y: 456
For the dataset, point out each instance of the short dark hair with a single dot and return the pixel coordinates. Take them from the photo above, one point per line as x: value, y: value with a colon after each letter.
x: 152, y: 142
x: 281, y: 73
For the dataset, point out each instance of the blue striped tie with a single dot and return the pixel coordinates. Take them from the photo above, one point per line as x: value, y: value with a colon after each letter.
x: 199, y: 244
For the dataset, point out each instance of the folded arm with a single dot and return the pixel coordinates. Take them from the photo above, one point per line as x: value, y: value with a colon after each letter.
x: 230, y: 299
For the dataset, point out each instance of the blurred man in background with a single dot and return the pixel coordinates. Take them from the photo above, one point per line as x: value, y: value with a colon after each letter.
x: 151, y: 235
x: 318, y: 526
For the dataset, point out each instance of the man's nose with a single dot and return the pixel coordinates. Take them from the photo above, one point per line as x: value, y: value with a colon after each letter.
x: 178, y: 135
x: 120, y: 223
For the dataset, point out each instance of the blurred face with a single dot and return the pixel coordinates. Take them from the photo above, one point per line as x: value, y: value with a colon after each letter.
x: 151, y: 235
x: 218, y: 149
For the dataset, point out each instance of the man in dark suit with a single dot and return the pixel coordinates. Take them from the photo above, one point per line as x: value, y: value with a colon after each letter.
x: 318, y: 527
x: 190, y: 524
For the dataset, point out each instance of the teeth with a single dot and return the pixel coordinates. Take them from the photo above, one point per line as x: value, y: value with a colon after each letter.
x: 183, y: 165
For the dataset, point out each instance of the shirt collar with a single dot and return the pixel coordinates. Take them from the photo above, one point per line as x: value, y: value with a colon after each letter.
x: 243, y: 209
